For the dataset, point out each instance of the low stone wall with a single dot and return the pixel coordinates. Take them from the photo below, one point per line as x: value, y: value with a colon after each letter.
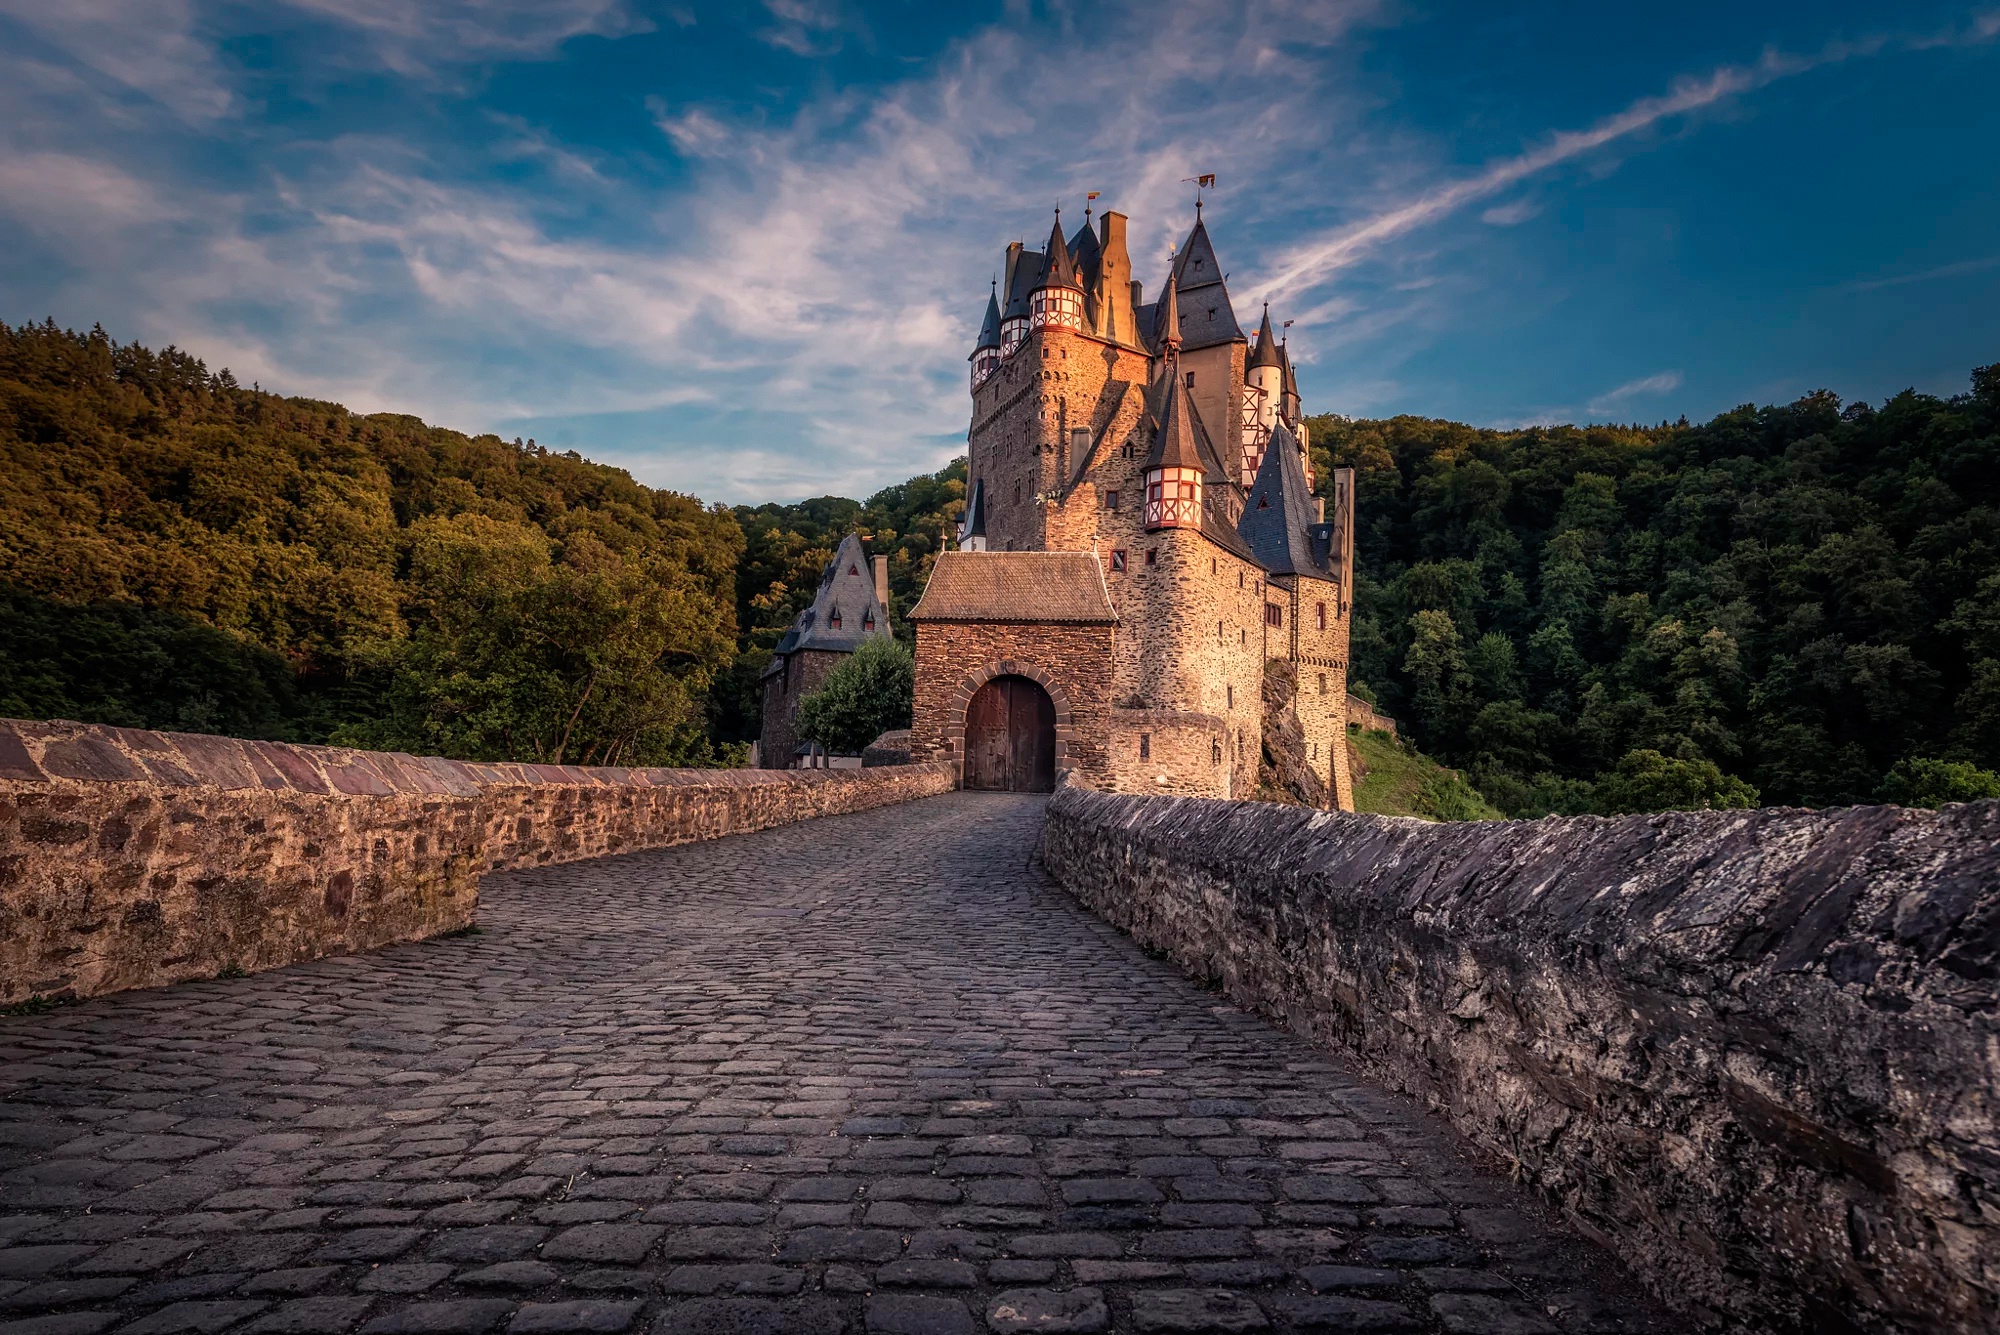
x: 1756, y: 1053
x: 1363, y: 715
x: 133, y: 859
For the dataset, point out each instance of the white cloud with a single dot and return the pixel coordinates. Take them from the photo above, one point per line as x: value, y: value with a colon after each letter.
x: 1611, y: 401
x: 1510, y: 214
x: 149, y: 47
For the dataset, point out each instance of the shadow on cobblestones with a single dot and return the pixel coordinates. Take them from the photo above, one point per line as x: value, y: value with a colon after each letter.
x: 870, y: 1072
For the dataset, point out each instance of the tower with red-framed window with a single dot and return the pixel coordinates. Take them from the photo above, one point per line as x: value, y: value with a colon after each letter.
x: 1138, y: 432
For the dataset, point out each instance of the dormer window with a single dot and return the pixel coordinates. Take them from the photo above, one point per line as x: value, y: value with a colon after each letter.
x: 833, y: 619
x: 868, y: 619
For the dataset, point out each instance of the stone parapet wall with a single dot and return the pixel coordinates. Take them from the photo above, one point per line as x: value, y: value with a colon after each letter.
x: 132, y: 858
x: 1364, y: 716
x: 1756, y: 1053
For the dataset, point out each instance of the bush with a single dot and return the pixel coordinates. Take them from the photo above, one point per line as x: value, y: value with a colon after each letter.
x: 866, y: 696
x: 1932, y: 783
x: 1646, y: 780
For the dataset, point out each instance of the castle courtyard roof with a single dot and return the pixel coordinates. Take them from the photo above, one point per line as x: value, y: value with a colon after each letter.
x: 1016, y: 586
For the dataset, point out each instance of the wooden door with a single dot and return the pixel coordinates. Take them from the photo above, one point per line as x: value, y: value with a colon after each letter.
x: 1010, y: 737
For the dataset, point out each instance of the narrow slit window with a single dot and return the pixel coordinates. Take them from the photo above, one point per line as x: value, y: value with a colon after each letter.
x: 1145, y: 746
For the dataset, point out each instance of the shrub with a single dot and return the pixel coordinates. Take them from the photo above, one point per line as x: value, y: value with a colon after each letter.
x: 1932, y: 783
x: 866, y: 696
x: 1645, y: 780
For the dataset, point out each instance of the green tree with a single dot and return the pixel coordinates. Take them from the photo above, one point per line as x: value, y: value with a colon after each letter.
x: 1648, y: 781
x: 872, y: 692
x: 1932, y: 783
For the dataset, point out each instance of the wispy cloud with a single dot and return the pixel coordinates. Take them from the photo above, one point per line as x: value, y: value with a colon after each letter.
x: 1305, y: 266
x: 1612, y: 400
x: 1954, y: 270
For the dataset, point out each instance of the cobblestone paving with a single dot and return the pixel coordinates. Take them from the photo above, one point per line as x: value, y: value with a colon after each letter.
x: 869, y: 1073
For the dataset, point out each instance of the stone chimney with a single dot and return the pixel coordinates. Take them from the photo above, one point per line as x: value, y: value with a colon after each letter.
x: 882, y: 584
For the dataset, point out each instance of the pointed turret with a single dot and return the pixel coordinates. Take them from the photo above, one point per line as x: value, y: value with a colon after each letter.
x: 1024, y: 269
x: 986, y: 352
x: 1266, y: 353
x: 1167, y: 319
x: 1057, y: 298
x: 1204, y: 295
x: 1280, y: 520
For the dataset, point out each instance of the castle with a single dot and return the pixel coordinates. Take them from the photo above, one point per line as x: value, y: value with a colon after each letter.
x: 1141, y: 538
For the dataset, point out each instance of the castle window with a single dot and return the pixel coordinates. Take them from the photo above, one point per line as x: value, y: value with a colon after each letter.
x: 1215, y: 751
x: 1239, y: 574
x: 852, y: 570
x: 1079, y: 439
x: 1125, y: 451
x: 1190, y: 379
x: 1319, y: 616
x: 1211, y: 565
x: 1322, y: 683
x: 1118, y: 561
x: 1315, y: 755
x: 1111, y: 499
x: 1243, y: 637
x: 833, y: 619
x: 1145, y: 746
x: 868, y: 619
x: 1218, y: 632
x: 1017, y: 493
x: 1152, y: 556
x: 1274, y: 614
x: 1230, y: 696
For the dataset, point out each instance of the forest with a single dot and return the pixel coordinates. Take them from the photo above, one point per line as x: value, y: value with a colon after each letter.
x: 1784, y: 605
x: 1794, y: 604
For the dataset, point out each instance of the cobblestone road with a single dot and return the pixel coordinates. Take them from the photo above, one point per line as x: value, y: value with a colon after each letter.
x: 866, y: 1073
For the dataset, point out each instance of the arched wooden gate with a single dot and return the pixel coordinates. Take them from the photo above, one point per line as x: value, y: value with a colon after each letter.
x: 1010, y: 737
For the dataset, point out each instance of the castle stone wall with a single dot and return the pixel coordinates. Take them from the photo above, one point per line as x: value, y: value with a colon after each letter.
x: 779, y: 735
x: 1071, y: 662
x: 133, y: 859
x: 1169, y: 751
x: 1756, y: 1053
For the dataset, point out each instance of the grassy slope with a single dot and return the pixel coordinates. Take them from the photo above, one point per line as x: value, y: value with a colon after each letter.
x: 1404, y: 782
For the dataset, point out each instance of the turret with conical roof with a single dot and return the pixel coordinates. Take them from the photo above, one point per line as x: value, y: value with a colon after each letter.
x: 986, y: 352
x: 1057, y: 298
x: 1263, y: 397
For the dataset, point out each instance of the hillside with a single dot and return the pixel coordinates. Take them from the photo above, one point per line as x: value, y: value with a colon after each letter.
x: 1795, y: 604
x: 177, y: 551
x: 1390, y: 779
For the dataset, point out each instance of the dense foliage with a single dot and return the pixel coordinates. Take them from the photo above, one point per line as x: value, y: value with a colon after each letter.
x: 872, y: 691
x: 1794, y: 604
x: 786, y: 547
x: 177, y: 551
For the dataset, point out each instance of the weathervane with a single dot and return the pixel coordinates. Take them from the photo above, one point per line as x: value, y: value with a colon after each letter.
x: 1205, y: 181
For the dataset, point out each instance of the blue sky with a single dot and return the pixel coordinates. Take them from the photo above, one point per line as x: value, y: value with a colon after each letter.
x: 742, y: 249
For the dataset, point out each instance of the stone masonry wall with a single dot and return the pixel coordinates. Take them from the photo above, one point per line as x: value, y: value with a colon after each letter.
x: 134, y: 859
x: 1071, y: 662
x: 1757, y: 1053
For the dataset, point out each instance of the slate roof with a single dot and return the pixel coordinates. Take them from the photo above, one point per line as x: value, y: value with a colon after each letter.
x: 989, y: 329
x: 1266, y: 352
x: 847, y: 586
x: 1016, y: 586
x: 1057, y: 269
x: 974, y: 525
x: 1024, y: 278
x: 1280, y: 523
x: 1206, y: 316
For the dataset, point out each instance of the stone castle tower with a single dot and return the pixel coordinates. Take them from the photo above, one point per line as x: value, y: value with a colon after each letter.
x: 1141, y: 538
